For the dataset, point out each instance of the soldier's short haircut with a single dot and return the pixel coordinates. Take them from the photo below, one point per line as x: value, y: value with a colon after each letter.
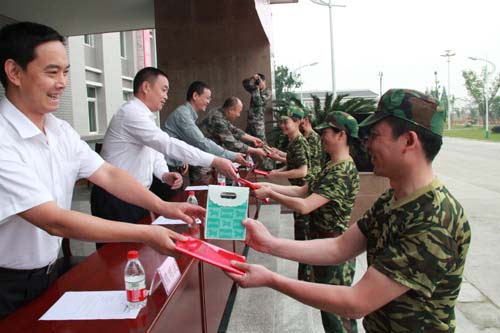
x: 196, y: 87
x: 149, y: 74
x: 230, y: 102
x: 431, y: 142
x: 18, y: 42
x: 262, y: 76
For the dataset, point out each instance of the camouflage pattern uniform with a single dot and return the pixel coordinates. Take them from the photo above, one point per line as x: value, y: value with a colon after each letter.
x: 420, y: 241
x: 338, y: 182
x: 217, y: 127
x: 297, y: 155
x: 258, y: 99
x: 317, y: 156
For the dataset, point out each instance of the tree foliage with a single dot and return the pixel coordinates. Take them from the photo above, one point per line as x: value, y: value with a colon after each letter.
x: 475, y: 85
x: 285, y: 82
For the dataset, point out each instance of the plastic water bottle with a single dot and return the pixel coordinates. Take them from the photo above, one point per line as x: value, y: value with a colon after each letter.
x: 249, y: 161
x: 135, y: 282
x: 221, y: 179
x: 194, y: 229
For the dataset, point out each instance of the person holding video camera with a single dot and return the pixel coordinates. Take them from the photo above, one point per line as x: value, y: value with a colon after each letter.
x: 256, y: 86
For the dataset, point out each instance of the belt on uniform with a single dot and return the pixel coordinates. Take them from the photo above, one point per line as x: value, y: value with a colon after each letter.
x: 315, y: 234
x: 42, y: 270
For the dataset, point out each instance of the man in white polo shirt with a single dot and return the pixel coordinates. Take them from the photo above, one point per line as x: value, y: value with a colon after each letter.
x: 135, y: 144
x: 41, y: 157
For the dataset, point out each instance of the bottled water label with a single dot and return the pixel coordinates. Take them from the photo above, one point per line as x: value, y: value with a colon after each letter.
x: 136, y: 288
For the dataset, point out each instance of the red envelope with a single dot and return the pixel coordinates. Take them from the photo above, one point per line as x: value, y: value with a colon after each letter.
x: 210, y: 253
x: 261, y: 172
x: 253, y: 186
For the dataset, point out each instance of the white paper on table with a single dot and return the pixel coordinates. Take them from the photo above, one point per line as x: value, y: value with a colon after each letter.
x: 165, y: 221
x: 85, y: 305
x: 197, y: 188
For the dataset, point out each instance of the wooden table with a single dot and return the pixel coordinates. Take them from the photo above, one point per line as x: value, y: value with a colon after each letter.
x: 197, y: 303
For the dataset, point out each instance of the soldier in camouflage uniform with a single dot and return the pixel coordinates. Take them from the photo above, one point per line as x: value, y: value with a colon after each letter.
x: 259, y: 97
x: 317, y: 156
x: 218, y: 126
x: 328, y: 198
x: 296, y: 171
x: 416, y: 234
x: 256, y: 86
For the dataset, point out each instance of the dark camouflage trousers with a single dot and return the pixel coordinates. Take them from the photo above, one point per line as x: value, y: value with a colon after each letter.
x: 301, y: 232
x: 341, y: 275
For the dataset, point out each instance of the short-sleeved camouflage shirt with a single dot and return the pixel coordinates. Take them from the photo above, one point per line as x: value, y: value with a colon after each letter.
x: 420, y: 242
x: 316, y: 153
x: 338, y: 182
x: 215, y: 126
x: 297, y: 155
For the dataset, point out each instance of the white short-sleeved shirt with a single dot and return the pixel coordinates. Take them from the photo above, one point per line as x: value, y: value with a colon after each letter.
x: 134, y: 143
x: 36, y: 168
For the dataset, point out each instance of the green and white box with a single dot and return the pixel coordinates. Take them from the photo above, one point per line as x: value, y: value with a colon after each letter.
x: 227, y: 206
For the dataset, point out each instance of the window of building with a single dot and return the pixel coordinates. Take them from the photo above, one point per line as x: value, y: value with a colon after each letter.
x: 123, y: 44
x: 92, y: 108
x: 127, y: 95
x: 88, y: 40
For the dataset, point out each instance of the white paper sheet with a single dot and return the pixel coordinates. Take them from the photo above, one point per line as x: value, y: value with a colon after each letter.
x: 197, y: 188
x: 165, y: 221
x: 85, y: 305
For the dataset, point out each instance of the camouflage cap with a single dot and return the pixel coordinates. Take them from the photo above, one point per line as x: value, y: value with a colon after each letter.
x: 412, y: 106
x: 342, y: 121
x: 292, y: 111
x: 310, y: 114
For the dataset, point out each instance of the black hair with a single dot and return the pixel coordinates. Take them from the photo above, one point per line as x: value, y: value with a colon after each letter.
x: 431, y: 142
x: 230, y: 102
x: 350, y: 140
x: 262, y: 76
x: 18, y: 42
x: 196, y: 87
x: 149, y: 74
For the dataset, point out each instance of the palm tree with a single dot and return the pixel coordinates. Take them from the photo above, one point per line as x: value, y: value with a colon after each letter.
x: 357, y: 107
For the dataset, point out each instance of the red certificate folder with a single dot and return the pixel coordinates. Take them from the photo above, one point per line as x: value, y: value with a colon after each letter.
x: 261, y: 172
x: 209, y: 253
x: 253, y: 186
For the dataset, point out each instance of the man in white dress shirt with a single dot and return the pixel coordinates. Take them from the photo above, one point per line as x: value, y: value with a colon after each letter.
x: 134, y: 143
x: 41, y: 157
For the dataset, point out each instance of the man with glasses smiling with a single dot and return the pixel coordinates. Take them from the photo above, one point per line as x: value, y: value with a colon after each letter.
x: 416, y: 234
x: 181, y: 124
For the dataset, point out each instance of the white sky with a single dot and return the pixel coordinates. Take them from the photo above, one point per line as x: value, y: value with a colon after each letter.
x: 401, y: 38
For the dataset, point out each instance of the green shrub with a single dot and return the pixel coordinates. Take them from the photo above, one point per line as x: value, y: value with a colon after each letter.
x: 496, y: 129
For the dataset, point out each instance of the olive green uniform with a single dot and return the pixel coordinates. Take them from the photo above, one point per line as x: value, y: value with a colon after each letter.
x: 317, y: 156
x: 297, y: 155
x: 338, y: 182
x: 420, y: 242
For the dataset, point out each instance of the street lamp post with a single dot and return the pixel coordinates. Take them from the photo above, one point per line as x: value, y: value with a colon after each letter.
x: 448, y: 55
x: 485, y: 92
x: 380, y: 74
x: 330, y: 5
x: 436, y: 82
x: 298, y: 69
